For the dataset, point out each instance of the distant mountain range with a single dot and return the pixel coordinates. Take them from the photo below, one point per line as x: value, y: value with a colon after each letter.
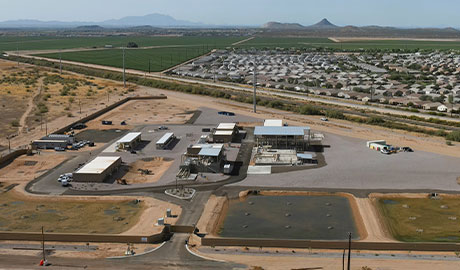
x: 156, y: 20
x: 326, y: 28
x: 323, y: 24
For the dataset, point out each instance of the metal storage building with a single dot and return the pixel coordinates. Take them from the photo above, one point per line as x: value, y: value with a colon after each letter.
x: 129, y: 141
x: 283, y: 137
x: 49, y: 144
x: 97, y: 170
x: 165, y: 140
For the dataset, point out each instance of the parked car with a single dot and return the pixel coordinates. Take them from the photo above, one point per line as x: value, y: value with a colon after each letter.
x: 407, y: 149
x: 59, y: 149
x: 79, y: 126
x: 163, y: 128
x: 324, y: 119
x: 385, y: 151
x: 226, y: 113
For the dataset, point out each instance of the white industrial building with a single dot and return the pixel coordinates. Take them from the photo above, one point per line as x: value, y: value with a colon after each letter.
x: 97, y: 170
x: 129, y: 141
x: 273, y: 123
x: 164, y: 141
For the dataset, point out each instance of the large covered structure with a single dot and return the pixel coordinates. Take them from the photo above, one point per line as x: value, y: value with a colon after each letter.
x: 97, y: 170
x: 283, y: 137
x: 129, y: 141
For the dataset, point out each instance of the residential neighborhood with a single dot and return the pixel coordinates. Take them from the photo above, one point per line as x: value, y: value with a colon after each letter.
x: 413, y: 80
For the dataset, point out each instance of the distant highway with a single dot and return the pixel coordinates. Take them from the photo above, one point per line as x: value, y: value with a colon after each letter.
x: 274, y: 92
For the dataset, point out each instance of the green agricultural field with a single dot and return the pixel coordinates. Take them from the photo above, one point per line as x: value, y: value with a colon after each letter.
x: 8, y: 43
x: 423, y: 219
x: 138, y: 59
x: 273, y: 42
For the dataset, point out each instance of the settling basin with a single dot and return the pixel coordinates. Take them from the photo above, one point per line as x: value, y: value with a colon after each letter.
x: 308, y: 217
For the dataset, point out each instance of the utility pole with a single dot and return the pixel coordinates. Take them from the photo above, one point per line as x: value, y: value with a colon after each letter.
x: 9, y: 143
x: 254, y: 81
x: 343, y: 260
x: 60, y: 62
x: 43, y: 246
x: 79, y: 104
x: 124, y: 76
x: 108, y: 95
x: 349, y: 250
x: 149, y: 66
x: 17, y: 51
x: 46, y: 126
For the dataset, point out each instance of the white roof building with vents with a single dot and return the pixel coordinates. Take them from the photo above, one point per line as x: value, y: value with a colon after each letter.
x: 97, y: 170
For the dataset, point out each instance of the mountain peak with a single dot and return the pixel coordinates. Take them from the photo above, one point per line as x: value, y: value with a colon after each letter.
x: 324, y: 23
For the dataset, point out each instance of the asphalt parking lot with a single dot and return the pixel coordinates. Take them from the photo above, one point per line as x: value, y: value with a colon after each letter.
x: 351, y: 165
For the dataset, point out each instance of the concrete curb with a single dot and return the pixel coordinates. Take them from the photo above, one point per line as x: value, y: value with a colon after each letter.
x: 202, y: 257
x: 135, y: 255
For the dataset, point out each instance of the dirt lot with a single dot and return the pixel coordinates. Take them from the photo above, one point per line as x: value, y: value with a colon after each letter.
x: 20, y: 211
x: 26, y: 168
x: 144, y: 112
x: 156, y: 166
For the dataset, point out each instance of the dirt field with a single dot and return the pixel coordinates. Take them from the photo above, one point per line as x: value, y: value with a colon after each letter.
x: 103, y: 250
x: 419, y: 218
x: 31, y: 96
x: 144, y: 112
x: 82, y: 214
x: 26, y: 168
x: 157, y: 166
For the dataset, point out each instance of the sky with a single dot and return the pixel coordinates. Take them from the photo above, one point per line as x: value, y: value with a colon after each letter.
x: 402, y: 13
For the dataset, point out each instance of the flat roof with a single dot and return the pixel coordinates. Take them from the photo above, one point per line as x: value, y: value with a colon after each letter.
x: 50, y: 141
x: 226, y: 126
x: 165, y: 138
x: 273, y: 123
x: 280, y: 131
x: 98, y: 165
x: 304, y: 156
x: 210, y: 152
x: 129, y: 137
x: 223, y: 132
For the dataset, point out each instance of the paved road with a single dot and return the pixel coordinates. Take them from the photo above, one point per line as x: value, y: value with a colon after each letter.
x: 281, y: 93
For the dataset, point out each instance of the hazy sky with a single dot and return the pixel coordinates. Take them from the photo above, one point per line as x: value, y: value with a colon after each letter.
x: 407, y: 13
